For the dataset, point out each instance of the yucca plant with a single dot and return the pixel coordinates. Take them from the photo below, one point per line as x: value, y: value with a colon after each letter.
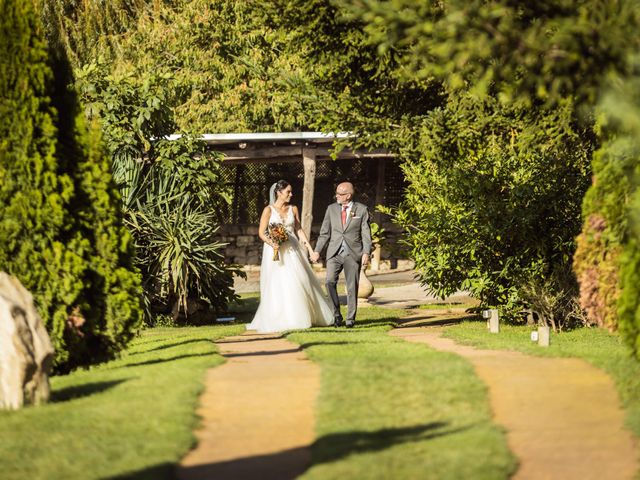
x: 183, y: 262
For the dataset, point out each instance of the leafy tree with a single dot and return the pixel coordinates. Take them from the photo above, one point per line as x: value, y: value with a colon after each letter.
x: 61, y: 230
x: 493, y: 201
x: 510, y: 89
x: 171, y: 192
x: 529, y: 54
x: 227, y: 59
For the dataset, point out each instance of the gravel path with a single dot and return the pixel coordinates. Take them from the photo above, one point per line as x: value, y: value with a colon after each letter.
x: 257, y: 412
x: 561, y: 415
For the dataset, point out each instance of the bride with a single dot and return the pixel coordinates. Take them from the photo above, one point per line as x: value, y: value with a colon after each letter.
x: 290, y: 294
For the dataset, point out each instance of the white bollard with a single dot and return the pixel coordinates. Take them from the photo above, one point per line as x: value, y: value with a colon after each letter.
x: 544, y: 336
x: 493, y: 321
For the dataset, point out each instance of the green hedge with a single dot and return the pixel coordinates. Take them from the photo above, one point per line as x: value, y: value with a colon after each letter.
x: 608, y: 258
x: 61, y: 232
x: 597, y: 258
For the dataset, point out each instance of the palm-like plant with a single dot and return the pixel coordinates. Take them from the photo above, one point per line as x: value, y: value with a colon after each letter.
x: 175, y: 235
x: 180, y: 255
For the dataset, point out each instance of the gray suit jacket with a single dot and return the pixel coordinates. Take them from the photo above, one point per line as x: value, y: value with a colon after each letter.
x: 356, y: 233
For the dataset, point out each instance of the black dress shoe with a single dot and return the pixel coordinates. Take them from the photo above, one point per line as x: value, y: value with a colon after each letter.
x: 350, y: 323
x: 338, y: 322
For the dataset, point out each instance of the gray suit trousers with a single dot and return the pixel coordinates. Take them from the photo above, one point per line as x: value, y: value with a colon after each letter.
x: 351, y: 267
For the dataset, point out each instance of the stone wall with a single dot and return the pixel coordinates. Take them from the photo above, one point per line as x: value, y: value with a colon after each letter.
x: 244, y: 247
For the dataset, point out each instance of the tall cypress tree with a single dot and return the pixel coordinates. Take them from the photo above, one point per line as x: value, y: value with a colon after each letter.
x: 61, y: 232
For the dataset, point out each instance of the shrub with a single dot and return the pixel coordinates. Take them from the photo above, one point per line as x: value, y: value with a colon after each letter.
x: 621, y: 107
x: 493, y: 201
x: 608, y: 257
x: 61, y: 231
x: 597, y: 257
x: 182, y: 263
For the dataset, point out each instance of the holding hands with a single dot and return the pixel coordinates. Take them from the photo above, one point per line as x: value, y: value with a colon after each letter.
x: 315, y: 257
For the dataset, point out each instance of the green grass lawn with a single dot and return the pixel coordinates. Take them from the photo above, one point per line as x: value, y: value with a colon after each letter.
x: 603, y: 349
x: 130, y: 417
x: 390, y: 409
x: 387, y: 409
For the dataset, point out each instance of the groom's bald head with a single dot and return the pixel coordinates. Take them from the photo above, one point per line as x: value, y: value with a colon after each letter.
x: 345, y: 187
x: 344, y: 192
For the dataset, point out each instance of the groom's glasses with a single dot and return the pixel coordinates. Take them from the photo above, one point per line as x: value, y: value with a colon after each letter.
x: 341, y: 194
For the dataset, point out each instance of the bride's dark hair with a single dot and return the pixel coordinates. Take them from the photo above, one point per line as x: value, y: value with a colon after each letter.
x: 275, y: 188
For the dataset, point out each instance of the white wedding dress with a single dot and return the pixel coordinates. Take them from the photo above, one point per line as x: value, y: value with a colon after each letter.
x: 290, y: 295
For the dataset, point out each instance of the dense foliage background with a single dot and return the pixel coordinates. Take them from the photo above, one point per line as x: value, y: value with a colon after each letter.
x: 508, y: 105
x: 495, y: 107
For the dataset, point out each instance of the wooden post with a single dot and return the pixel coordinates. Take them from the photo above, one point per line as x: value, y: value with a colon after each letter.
x: 493, y: 320
x: 377, y: 216
x: 309, y: 163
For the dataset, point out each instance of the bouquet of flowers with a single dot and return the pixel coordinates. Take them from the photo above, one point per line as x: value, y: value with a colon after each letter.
x: 278, y: 235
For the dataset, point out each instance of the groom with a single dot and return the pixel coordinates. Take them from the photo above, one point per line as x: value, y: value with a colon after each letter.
x: 347, y: 231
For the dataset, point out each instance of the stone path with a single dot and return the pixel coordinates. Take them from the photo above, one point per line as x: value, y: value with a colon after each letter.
x: 562, y: 415
x: 257, y: 412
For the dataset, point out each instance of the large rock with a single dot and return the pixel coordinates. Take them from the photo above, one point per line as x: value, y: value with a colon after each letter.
x: 26, y: 352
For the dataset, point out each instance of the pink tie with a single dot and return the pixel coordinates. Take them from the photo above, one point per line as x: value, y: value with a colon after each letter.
x: 344, y: 215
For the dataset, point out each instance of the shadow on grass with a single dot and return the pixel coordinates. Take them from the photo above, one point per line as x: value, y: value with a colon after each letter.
x: 427, y: 306
x: 313, y: 344
x: 140, y: 341
x: 244, y: 340
x: 378, y: 302
x: 434, y: 321
x: 168, y: 359
x: 166, y: 471
x: 80, y: 391
x: 171, y: 345
x: 335, y: 446
x: 377, y: 322
x: 290, y: 464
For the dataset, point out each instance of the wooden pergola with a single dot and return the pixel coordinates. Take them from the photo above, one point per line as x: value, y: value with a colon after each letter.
x: 305, y: 147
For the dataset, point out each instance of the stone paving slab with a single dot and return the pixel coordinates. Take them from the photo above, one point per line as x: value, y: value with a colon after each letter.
x: 562, y: 415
